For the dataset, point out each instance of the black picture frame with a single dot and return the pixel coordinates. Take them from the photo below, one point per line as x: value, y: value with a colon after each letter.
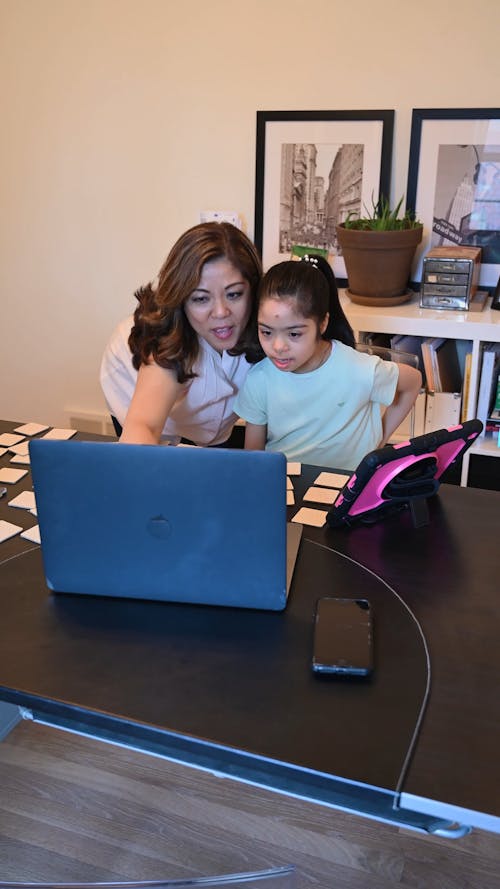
x: 320, y: 134
x: 453, y: 182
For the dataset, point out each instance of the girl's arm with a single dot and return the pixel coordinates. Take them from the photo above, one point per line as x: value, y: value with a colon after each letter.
x: 409, y: 384
x: 155, y: 394
x: 255, y: 437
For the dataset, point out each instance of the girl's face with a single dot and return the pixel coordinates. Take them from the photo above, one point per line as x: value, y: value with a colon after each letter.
x: 292, y: 342
x: 219, y: 309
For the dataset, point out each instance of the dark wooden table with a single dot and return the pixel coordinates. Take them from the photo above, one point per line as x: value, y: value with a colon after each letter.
x: 232, y: 690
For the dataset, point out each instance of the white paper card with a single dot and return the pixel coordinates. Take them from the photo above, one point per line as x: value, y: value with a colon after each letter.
x: 289, y: 485
x: 34, y: 511
x: 293, y: 468
x: 20, y: 449
x: 24, y: 500
x: 31, y: 428
x: 321, y: 495
x: 3, y: 451
x: 17, y: 459
x: 8, y: 438
x: 7, y: 529
x: 290, y: 498
x: 332, y: 479
x: 32, y: 534
x: 60, y: 434
x: 314, y: 517
x: 11, y: 476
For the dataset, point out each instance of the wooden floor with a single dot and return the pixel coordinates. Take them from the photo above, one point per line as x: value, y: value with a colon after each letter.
x: 77, y: 809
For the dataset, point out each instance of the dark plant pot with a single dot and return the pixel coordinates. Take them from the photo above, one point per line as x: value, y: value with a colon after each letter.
x: 378, y: 264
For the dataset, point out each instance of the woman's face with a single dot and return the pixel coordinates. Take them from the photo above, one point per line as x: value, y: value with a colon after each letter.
x: 219, y: 309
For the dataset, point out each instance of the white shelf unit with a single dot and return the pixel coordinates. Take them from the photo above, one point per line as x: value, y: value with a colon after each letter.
x: 475, y: 327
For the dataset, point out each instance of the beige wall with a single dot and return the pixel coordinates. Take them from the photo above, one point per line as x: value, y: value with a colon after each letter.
x: 122, y: 119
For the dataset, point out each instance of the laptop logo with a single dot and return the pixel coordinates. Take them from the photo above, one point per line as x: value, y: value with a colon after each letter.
x: 159, y: 526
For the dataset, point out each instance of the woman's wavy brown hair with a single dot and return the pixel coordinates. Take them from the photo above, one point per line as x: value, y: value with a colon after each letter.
x: 161, y: 331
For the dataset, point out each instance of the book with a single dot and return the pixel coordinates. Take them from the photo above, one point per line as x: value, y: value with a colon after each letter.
x: 428, y: 364
x: 466, y: 387
x: 447, y: 368
x: 490, y: 368
x: 442, y: 367
x: 492, y: 427
x: 493, y: 421
x: 496, y: 403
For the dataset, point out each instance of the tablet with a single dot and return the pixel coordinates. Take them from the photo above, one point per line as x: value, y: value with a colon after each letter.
x: 397, y: 476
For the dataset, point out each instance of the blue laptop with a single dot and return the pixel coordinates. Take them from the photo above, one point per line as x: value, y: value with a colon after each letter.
x: 173, y: 524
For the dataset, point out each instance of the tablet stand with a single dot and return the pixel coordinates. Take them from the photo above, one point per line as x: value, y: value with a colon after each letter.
x: 419, y: 509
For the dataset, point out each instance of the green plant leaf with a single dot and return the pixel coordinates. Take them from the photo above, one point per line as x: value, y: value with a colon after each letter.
x: 382, y: 218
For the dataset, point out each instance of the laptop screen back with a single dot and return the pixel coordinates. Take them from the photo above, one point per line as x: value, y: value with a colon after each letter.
x: 198, y: 525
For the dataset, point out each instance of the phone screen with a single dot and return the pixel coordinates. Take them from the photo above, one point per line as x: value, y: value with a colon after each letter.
x: 343, y: 638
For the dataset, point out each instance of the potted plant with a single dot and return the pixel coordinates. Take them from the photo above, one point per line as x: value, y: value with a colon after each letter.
x: 378, y: 251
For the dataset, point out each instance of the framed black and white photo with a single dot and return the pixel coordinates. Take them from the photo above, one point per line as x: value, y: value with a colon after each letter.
x: 313, y: 169
x: 454, y: 182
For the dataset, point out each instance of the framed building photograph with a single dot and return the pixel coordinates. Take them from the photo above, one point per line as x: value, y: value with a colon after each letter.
x: 314, y: 168
x: 454, y: 182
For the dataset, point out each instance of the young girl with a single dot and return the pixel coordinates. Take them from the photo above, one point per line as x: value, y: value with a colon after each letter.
x: 173, y: 370
x: 315, y: 397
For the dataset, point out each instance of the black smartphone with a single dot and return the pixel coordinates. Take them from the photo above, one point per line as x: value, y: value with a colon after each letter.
x: 343, y: 637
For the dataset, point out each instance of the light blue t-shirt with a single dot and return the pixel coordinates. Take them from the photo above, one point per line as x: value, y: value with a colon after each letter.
x: 330, y: 416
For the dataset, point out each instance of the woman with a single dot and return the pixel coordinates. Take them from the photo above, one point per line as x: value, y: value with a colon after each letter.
x: 174, y: 370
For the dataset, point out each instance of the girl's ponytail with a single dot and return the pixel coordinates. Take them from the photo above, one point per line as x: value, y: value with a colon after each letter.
x: 338, y: 326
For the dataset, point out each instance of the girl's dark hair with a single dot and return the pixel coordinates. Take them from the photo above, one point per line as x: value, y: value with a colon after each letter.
x: 161, y: 330
x: 312, y: 283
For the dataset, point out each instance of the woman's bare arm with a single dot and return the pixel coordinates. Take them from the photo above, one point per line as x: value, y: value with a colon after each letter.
x: 155, y: 394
